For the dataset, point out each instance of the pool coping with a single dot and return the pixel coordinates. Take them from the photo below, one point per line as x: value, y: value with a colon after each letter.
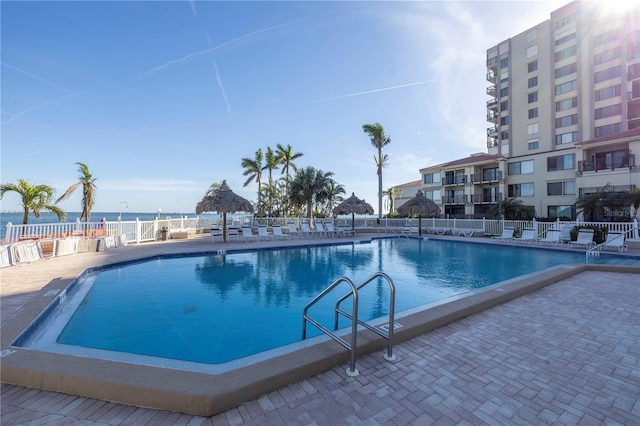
x: 206, y: 394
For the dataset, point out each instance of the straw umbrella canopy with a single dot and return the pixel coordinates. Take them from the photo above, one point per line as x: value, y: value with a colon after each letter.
x: 419, y: 206
x: 353, y: 205
x: 224, y: 201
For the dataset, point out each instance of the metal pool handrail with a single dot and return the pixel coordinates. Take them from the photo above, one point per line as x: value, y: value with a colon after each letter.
x: 352, y: 371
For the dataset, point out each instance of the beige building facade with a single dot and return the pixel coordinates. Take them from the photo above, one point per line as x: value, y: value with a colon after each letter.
x: 563, y: 113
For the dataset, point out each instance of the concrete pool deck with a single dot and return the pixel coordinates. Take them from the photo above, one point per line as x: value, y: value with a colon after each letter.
x: 575, y: 359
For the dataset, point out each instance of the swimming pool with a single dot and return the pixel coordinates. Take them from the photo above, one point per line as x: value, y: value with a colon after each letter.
x: 216, y: 308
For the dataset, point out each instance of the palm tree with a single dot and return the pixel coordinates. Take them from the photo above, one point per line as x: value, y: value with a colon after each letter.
x: 334, y: 192
x: 592, y: 205
x: 253, y: 169
x: 391, y: 195
x: 272, y: 161
x: 309, y: 185
x: 212, y: 188
x: 87, y: 182
x: 286, y: 157
x: 35, y: 198
x: 378, y: 140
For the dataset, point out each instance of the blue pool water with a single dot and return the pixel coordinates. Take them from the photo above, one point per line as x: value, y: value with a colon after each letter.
x: 216, y: 308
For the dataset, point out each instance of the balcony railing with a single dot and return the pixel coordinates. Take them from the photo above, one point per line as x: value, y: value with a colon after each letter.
x: 456, y: 199
x: 491, y: 75
x: 455, y: 180
x: 482, y: 198
x: 492, y: 116
x: 491, y: 90
x: 487, y: 176
x: 491, y: 131
x: 492, y: 104
x: 492, y: 142
x: 616, y: 188
x: 626, y: 162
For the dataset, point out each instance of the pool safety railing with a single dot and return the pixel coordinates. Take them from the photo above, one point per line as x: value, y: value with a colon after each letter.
x: 617, y: 241
x: 353, y: 316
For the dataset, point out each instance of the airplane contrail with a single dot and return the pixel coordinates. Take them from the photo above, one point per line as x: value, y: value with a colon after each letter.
x: 366, y: 92
x: 219, y: 46
x: 224, y: 94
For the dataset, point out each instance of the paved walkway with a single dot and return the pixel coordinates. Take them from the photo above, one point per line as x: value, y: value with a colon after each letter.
x: 567, y: 354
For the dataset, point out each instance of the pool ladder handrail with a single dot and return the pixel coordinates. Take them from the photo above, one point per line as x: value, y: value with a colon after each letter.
x: 353, y: 371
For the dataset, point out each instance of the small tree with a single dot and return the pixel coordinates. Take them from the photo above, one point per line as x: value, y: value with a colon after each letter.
x: 87, y: 182
x: 512, y: 209
x: 35, y: 198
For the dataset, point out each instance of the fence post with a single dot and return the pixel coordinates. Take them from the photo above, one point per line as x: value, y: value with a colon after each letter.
x: 484, y: 225
x: 635, y: 228
x: 138, y: 231
x: 535, y: 226
x: 8, y: 232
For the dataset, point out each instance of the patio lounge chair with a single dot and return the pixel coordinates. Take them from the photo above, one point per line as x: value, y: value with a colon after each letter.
x: 528, y: 236
x: 216, y: 233
x: 293, y: 230
x: 307, y: 231
x: 233, y: 233
x: 263, y: 234
x: 552, y: 237
x: 331, y: 231
x: 615, y: 240
x: 248, y: 234
x: 277, y: 233
x: 507, y: 234
x: 585, y: 238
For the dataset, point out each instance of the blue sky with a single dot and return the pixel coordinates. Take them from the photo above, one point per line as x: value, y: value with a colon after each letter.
x: 161, y: 99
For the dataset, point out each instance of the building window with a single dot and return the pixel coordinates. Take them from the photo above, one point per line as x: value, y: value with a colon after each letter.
x: 504, y: 63
x: 607, y: 55
x: 533, y: 97
x: 566, y: 121
x: 504, y: 135
x: 561, y: 188
x: 561, y: 211
x: 567, y: 53
x: 532, y: 35
x: 607, y: 74
x: 608, y: 92
x: 520, y: 167
x: 532, y: 129
x: 532, y: 51
x: 561, y: 162
x: 532, y: 66
x: 533, y: 82
x: 566, y: 87
x: 533, y: 144
x: 522, y: 190
x: 566, y: 138
x: 566, y: 70
x: 565, y: 20
x: 608, y: 111
x: 533, y: 113
x: 504, y: 91
x: 431, y: 178
x: 566, y: 104
x: 634, y: 71
x: 433, y: 195
x: 609, y: 129
x: 605, y: 37
x: 565, y: 38
x: 504, y: 105
x: 504, y: 121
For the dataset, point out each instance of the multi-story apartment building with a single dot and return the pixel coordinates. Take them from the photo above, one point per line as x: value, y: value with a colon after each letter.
x: 564, y: 114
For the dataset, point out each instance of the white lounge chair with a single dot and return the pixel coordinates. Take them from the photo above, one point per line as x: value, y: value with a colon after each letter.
x: 552, y: 237
x: 615, y: 240
x: 528, y: 236
x: 307, y: 231
x: 277, y: 233
x: 331, y: 231
x: 216, y: 232
x: 507, y: 234
x: 248, y: 234
x: 233, y: 233
x: 321, y: 231
x: 293, y: 230
x: 263, y: 234
x: 585, y: 238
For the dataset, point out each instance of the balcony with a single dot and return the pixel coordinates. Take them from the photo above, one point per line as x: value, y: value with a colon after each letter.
x: 455, y: 199
x: 486, y: 177
x: 491, y: 75
x: 625, y: 162
x: 492, y: 90
x: 492, y: 117
x: 455, y: 180
x: 492, y: 142
x: 617, y: 188
x: 486, y: 198
x: 492, y: 104
x: 492, y: 131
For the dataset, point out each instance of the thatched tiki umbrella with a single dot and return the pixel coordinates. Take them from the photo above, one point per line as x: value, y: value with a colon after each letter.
x: 224, y: 201
x: 353, y: 205
x: 419, y: 206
